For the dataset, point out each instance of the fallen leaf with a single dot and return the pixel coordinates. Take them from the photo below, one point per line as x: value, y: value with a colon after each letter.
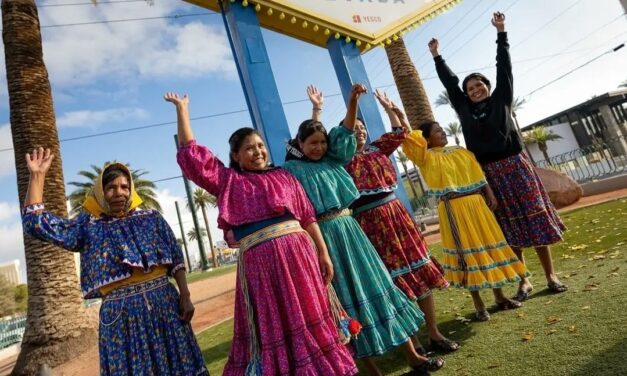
x: 494, y: 366
x: 567, y: 256
x: 520, y: 315
x: 613, y: 274
x: 553, y: 320
x: 551, y: 331
x: 548, y: 302
x: 572, y: 329
x: 585, y: 307
x: 591, y: 287
x: 527, y: 336
x: 598, y: 257
x: 452, y: 332
x: 578, y: 247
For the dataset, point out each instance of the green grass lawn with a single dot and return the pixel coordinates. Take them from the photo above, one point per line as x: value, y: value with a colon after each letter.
x: 199, y: 276
x: 582, y: 332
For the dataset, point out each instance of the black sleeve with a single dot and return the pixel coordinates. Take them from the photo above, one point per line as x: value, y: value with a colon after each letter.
x: 504, y: 77
x: 450, y: 82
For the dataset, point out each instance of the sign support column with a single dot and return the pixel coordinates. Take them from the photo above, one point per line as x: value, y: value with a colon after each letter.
x: 255, y: 72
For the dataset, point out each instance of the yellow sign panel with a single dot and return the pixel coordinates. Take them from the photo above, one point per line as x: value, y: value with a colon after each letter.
x: 364, y: 22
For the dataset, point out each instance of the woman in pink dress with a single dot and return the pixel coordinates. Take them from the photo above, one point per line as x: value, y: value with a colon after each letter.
x: 283, y: 324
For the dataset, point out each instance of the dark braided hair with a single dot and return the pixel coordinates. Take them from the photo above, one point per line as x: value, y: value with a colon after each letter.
x: 427, y: 127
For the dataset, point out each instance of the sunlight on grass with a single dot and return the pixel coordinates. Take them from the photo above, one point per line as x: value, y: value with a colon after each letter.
x: 199, y: 276
x: 580, y: 333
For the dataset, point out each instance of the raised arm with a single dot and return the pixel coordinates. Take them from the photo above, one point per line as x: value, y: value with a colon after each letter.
x: 351, y: 113
x: 317, y: 101
x: 446, y: 75
x: 504, y: 77
x: 184, y: 128
x: 36, y: 221
x: 388, y: 106
x: 196, y: 161
x: 38, y: 164
x: 415, y: 148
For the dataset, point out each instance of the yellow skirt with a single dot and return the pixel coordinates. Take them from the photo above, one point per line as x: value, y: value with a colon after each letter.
x: 490, y: 262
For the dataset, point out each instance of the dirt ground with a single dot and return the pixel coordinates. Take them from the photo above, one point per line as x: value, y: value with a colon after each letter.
x: 214, y: 298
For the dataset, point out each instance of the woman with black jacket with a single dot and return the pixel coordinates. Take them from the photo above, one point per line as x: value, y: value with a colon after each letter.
x: 524, y: 210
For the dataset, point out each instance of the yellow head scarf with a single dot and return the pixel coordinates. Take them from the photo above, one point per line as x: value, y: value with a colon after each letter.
x: 96, y: 203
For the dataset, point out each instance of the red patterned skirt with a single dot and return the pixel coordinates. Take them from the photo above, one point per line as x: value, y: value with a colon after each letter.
x: 402, y: 248
x: 525, y: 212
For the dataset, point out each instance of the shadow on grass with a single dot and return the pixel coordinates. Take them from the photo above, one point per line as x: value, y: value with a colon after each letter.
x: 216, y: 355
x: 609, y: 362
x: 394, y: 361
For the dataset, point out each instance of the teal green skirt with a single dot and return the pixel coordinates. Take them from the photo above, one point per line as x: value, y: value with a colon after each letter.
x: 366, y: 290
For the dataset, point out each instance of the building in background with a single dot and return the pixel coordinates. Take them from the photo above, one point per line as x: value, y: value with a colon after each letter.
x: 599, y: 120
x: 11, y: 272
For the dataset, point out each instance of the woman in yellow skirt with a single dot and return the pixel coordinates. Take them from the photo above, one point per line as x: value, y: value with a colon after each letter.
x: 476, y: 254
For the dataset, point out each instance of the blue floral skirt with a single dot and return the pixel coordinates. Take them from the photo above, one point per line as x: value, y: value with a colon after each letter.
x: 524, y: 211
x: 141, y: 333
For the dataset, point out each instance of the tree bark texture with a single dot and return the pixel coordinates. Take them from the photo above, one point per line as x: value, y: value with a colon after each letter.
x: 57, y: 327
x: 409, y: 85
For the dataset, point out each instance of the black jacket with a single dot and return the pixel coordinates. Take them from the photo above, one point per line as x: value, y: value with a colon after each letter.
x: 488, y: 127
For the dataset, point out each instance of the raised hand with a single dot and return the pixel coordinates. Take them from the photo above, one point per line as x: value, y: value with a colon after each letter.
x: 384, y: 100
x: 315, y: 96
x: 433, y: 47
x: 39, y: 161
x: 401, y: 117
x: 177, y: 100
x: 357, y: 90
x: 498, y: 21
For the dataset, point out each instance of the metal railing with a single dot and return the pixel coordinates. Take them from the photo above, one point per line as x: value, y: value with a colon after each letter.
x: 600, y: 160
x: 11, y: 331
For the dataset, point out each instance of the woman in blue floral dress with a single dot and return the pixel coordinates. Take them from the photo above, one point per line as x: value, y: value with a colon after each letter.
x: 126, y: 258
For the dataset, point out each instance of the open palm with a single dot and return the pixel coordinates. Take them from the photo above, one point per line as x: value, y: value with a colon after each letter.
x: 39, y: 161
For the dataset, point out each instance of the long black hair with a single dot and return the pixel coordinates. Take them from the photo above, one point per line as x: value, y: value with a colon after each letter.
x: 235, y: 142
x: 305, y: 129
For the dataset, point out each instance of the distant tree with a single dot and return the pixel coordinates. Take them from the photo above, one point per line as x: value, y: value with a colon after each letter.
x: 454, y: 130
x: 191, y: 234
x: 540, y: 135
x: 7, y: 298
x: 624, y: 84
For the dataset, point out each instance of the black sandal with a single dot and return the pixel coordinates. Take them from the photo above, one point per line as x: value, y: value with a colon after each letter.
x: 430, y: 365
x: 522, y: 295
x: 508, y: 304
x: 445, y: 345
x: 557, y: 287
x: 420, y: 350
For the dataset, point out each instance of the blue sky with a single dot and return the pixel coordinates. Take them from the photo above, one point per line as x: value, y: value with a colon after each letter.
x: 111, y: 76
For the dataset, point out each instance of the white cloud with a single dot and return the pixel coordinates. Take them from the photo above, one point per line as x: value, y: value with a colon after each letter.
x: 88, y: 118
x: 7, y: 158
x: 145, y: 49
x: 9, y: 210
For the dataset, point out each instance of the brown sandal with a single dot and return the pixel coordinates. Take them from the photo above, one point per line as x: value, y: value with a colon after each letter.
x: 445, y: 345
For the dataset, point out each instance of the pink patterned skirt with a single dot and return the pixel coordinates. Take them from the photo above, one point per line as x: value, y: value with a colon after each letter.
x: 525, y: 212
x: 296, y: 331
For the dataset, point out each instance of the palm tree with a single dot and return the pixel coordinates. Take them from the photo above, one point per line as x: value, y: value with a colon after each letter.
x: 191, y: 234
x: 57, y: 328
x: 144, y: 188
x: 540, y: 135
x: 518, y: 104
x: 409, y: 85
x: 443, y: 99
x: 201, y: 200
x: 624, y: 84
x: 454, y: 130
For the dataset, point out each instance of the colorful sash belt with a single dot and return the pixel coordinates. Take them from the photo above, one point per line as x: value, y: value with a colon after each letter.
x: 374, y: 204
x: 332, y: 214
x: 247, y: 242
x: 454, y: 229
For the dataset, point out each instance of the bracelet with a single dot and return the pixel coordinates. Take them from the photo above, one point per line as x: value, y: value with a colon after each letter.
x: 317, y: 109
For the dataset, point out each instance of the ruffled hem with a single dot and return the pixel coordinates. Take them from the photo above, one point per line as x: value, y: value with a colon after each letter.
x: 388, y: 321
x: 418, y: 283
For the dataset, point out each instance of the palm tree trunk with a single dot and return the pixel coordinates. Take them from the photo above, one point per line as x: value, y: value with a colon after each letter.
x: 457, y: 140
x: 409, y: 85
x: 57, y: 328
x: 213, y: 251
x: 543, y: 148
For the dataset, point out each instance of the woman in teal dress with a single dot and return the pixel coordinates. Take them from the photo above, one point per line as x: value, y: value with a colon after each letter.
x: 363, y: 285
